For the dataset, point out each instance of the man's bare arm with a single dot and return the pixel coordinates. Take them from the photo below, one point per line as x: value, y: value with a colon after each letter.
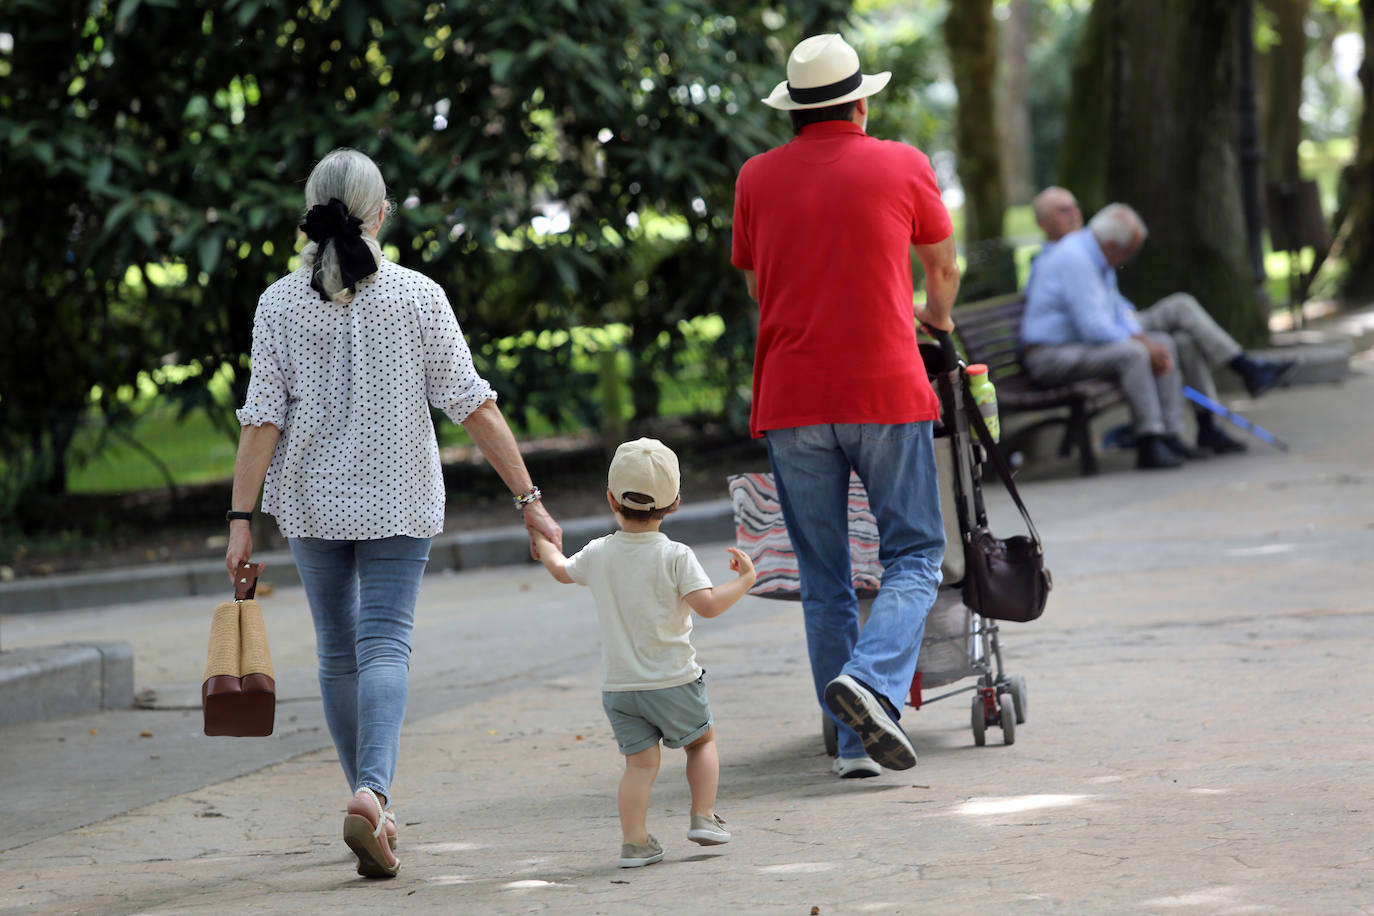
x: 942, y: 283
x: 752, y: 281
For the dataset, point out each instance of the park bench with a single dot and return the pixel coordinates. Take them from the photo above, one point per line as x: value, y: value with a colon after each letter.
x: 989, y: 332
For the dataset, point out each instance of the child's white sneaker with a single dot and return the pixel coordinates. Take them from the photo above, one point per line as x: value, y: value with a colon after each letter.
x: 633, y: 855
x: 708, y: 831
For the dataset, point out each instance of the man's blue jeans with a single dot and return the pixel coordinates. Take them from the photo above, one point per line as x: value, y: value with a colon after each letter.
x: 362, y: 596
x: 896, y: 463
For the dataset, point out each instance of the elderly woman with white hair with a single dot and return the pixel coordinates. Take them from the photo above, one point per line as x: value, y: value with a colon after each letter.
x: 349, y: 353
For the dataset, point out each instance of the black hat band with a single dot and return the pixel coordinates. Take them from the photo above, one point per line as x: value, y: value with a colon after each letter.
x: 813, y: 94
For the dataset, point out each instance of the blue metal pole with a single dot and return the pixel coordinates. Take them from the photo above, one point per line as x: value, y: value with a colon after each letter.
x: 1259, y: 432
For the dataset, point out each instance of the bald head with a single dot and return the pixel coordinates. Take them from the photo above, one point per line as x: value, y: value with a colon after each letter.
x: 1057, y: 213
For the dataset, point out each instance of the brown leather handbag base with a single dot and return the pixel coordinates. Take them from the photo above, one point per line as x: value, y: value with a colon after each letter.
x: 243, y: 707
x: 239, y: 693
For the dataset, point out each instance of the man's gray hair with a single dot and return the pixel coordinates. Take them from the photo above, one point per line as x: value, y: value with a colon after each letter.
x: 354, y: 179
x: 1118, y: 224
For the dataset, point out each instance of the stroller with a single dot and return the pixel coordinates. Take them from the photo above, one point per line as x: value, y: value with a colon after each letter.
x: 958, y: 644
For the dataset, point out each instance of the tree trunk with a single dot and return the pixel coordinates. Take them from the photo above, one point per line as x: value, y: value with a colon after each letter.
x: 1354, y: 236
x: 1280, y: 80
x: 1152, y: 123
x: 971, y: 36
x: 1013, y: 106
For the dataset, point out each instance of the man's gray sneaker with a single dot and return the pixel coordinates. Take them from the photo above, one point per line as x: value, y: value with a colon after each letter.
x: 856, y: 706
x: 633, y: 855
x: 855, y: 767
x: 708, y: 831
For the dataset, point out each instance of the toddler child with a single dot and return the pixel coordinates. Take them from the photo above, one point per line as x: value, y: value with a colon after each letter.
x: 646, y: 588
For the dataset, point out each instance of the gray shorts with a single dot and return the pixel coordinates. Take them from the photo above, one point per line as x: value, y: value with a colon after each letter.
x: 640, y: 718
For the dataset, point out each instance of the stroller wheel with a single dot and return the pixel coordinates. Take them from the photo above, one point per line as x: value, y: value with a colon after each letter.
x: 1017, y: 683
x: 830, y: 734
x: 1008, y: 718
x: 979, y: 721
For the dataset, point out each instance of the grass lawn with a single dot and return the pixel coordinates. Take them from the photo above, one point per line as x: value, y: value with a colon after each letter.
x: 193, y: 450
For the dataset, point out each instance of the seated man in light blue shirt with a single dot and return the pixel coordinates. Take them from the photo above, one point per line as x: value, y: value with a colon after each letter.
x: 1077, y: 325
x: 1200, y: 343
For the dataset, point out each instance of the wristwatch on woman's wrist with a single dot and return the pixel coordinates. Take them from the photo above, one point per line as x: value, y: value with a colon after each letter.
x: 231, y: 515
x: 526, y: 499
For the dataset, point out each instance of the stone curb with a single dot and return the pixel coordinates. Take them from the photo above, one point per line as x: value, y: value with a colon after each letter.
x: 696, y: 523
x: 50, y: 681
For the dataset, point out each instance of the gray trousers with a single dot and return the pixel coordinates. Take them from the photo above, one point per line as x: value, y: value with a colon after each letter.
x: 1156, y: 401
x: 1200, y: 341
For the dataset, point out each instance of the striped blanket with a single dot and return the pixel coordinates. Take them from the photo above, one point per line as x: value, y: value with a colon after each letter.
x: 760, y: 532
x: 949, y: 649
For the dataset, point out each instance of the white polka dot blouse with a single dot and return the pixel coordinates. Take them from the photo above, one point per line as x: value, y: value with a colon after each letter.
x: 350, y: 386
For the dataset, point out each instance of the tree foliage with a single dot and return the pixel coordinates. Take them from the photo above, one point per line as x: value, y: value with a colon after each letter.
x: 154, y: 154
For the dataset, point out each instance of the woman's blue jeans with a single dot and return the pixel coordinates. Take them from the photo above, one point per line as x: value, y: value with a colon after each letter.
x: 362, y: 596
x: 896, y: 463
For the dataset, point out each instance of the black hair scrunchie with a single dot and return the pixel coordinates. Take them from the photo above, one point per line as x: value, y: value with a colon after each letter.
x: 332, y: 222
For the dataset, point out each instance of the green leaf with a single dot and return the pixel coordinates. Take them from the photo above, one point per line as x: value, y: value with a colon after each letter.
x: 73, y: 145
x: 100, y: 173
x: 144, y: 228
x: 567, y: 272
x: 185, y: 237
x: 126, y: 9
x: 43, y: 152
x: 116, y: 214
x: 501, y: 62
x: 197, y: 107
x: 354, y: 24
x: 210, y: 248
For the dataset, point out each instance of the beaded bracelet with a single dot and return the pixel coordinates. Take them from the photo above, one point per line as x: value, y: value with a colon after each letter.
x: 524, y: 499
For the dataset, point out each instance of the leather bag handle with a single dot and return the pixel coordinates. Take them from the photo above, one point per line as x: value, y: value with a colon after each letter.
x: 245, y: 581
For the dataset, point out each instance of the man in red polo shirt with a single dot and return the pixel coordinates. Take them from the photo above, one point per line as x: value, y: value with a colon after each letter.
x: 824, y: 226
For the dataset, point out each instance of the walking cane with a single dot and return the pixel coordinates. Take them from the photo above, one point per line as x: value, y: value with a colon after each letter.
x: 1259, y: 432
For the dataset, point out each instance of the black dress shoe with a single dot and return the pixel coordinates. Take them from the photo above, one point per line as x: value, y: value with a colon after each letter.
x: 1180, y: 448
x: 1215, y: 441
x: 1267, y: 374
x: 1152, y: 454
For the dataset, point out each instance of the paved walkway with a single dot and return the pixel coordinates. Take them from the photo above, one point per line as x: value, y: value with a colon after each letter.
x: 1199, y: 736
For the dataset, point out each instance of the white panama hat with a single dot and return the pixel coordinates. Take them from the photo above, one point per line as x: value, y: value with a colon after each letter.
x: 824, y: 70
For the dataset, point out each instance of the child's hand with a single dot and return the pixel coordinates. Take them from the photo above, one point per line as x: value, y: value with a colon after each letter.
x: 538, y: 540
x: 740, y: 563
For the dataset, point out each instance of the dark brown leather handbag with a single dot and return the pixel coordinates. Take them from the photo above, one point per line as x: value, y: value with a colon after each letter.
x: 239, y: 694
x: 1005, y: 578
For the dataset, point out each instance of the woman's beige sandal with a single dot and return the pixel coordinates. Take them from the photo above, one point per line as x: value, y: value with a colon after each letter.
x: 364, y: 837
x: 390, y: 829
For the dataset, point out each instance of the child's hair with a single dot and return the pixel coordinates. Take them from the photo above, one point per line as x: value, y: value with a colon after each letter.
x: 644, y: 515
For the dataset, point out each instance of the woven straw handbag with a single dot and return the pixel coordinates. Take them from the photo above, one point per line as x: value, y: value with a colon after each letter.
x: 239, y: 694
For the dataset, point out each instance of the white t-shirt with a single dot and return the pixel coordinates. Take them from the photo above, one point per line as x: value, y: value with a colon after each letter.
x: 350, y: 387
x: 639, y: 581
